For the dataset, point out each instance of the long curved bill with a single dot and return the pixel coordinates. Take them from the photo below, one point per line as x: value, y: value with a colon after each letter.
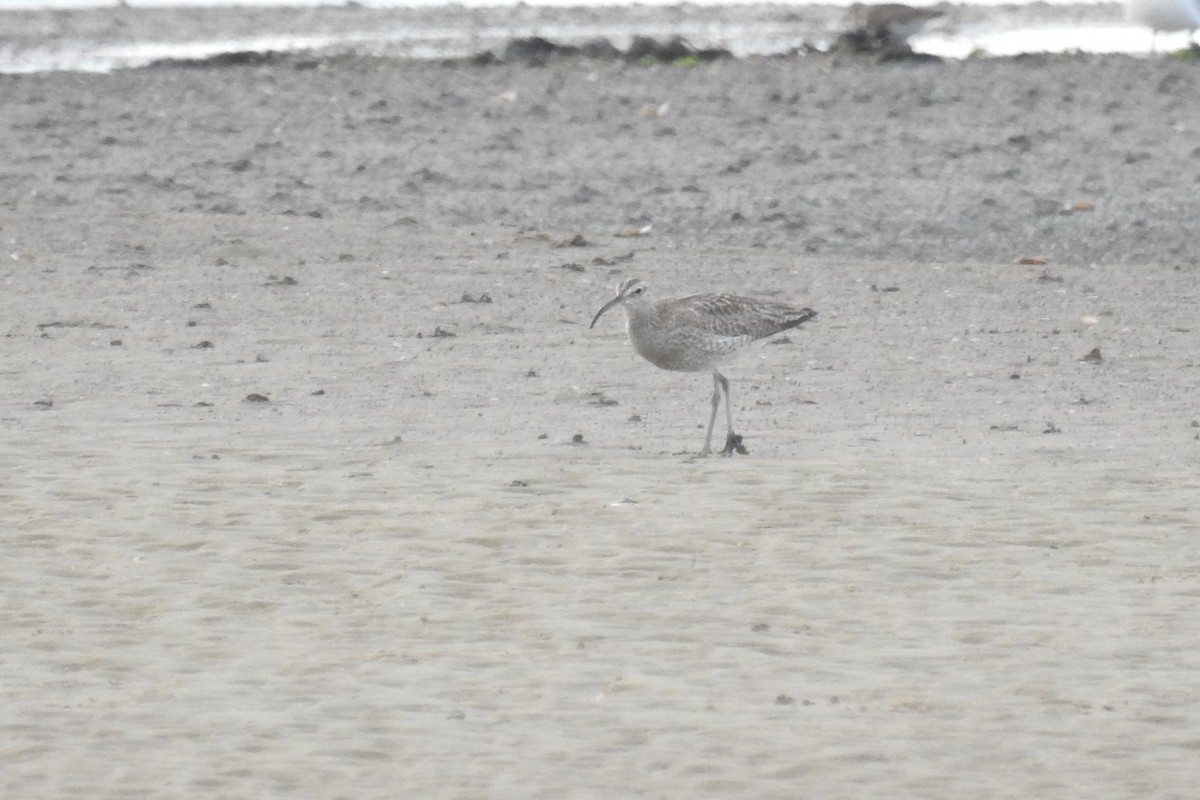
x: 615, y: 301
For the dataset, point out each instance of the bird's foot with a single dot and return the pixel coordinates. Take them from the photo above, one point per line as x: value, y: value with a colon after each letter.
x: 733, y: 444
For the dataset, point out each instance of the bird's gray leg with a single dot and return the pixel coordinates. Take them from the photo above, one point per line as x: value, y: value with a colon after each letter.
x: 733, y: 442
x: 716, y: 401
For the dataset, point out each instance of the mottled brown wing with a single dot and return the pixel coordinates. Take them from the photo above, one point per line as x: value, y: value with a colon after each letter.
x: 734, y: 316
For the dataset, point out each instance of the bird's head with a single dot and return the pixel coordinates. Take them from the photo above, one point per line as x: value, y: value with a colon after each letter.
x: 630, y: 293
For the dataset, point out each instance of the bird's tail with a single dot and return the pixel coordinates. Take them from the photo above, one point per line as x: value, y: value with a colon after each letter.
x: 802, y: 316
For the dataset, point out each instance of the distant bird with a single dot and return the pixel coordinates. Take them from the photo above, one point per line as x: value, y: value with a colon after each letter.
x: 890, y: 25
x: 698, y: 334
x: 1164, y: 16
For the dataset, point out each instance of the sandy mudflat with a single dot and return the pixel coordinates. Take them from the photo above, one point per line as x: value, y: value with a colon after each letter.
x: 959, y: 561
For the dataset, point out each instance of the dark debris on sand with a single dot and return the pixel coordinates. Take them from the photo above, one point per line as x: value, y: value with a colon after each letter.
x: 533, y: 51
x: 538, y: 51
x: 244, y: 58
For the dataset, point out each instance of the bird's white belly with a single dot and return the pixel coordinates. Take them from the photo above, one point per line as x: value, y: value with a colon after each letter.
x: 682, y: 352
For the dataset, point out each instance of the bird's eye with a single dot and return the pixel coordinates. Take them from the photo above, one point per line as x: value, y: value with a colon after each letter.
x: 639, y: 289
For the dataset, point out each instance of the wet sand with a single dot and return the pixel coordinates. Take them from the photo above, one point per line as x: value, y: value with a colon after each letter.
x: 960, y: 559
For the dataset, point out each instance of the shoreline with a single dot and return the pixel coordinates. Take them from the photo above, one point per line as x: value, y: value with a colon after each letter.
x: 108, y: 38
